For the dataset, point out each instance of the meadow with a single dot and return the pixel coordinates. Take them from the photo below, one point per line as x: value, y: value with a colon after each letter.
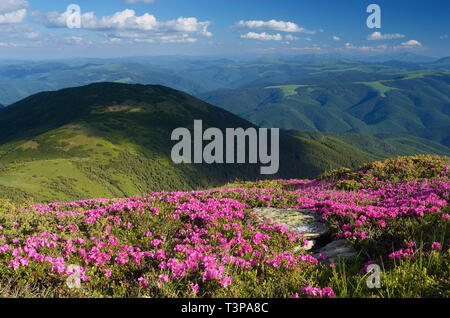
x: 212, y: 243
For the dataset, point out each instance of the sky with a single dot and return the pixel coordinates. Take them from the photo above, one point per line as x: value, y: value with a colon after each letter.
x: 43, y: 29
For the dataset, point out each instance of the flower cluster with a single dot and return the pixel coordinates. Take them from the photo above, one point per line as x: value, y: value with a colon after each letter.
x: 204, y: 242
x: 326, y: 292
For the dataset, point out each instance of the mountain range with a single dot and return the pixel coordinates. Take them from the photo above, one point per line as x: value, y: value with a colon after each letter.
x: 111, y: 139
x: 196, y: 75
x: 409, y: 102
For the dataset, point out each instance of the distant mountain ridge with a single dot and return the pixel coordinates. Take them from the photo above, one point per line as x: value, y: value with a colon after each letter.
x: 196, y: 75
x: 380, y: 145
x: 412, y: 102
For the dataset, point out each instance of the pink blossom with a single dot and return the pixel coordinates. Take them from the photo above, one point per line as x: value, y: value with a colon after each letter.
x: 195, y: 288
x: 225, y: 281
x: 436, y: 246
x: 142, y: 282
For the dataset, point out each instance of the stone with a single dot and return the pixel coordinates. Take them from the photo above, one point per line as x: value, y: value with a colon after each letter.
x: 305, y: 221
x: 335, y: 250
x: 308, y: 247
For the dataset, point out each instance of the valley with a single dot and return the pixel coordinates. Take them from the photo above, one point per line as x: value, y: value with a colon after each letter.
x: 408, y: 105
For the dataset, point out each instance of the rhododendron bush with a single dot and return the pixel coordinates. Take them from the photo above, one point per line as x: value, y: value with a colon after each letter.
x: 213, y: 244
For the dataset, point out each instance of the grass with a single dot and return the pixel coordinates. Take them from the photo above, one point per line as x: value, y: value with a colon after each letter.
x: 144, y: 238
x: 288, y: 90
x: 41, y: 179
x: 379, y: 87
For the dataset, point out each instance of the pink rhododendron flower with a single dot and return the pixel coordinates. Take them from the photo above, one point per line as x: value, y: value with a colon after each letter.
x: 142, y: 282
x: 225, y: 281
x: 195, y: 288
x: 436, y: 246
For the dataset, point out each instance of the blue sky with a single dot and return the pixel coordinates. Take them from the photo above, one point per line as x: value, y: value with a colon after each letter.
x: 112, y: 28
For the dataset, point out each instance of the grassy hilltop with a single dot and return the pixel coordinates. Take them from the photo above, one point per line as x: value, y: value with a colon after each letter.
x: 113, y: 140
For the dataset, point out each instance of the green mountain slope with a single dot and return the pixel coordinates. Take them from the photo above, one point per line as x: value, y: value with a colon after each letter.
x: 380, y: 146
x: 443, y: 63
x: 110, y: 139
x: 414, y: 102
x: 439, y: 134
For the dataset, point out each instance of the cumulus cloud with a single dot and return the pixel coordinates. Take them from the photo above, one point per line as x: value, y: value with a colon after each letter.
x: 127, y: 25
x: 272, y: 25
x: 13, y: 17
x: 13, y: 11
x: 412, y: 43
x: 262, y: 36
x: 375, y: 36
x: 12, y: 5
x: 290, y: 37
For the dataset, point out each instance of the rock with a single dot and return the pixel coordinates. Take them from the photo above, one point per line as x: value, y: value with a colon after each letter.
x: 305, y: 222
x: 335, y: 250
x: 308, y: 247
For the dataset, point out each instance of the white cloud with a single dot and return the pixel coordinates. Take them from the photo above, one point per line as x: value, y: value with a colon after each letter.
x: 127, y: 25
x: 336, y: 38
x: 290, y: 37
x: 445, y: 36
x: 15, y: 31
x: 272, y: 25
x: 127, y: 20
x: 262, y: 36
x: 32, y: 35
x: 375, y: 36
x: 13, y: 11
x: 411, y: 43
x: 13, y: 17
x: 7, y: 6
